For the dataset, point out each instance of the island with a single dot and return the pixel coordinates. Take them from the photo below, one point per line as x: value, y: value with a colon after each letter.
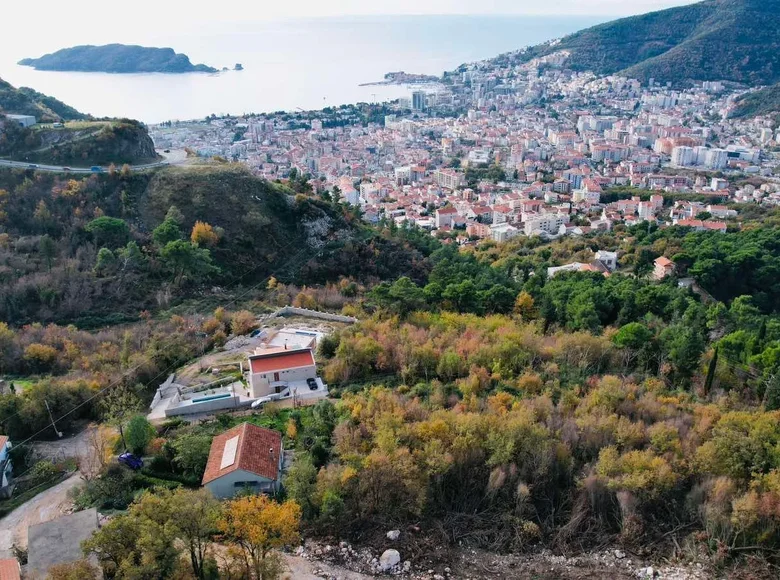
x: 116, y: 58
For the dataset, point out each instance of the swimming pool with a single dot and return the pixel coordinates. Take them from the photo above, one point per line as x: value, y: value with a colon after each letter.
x: 212, y: 398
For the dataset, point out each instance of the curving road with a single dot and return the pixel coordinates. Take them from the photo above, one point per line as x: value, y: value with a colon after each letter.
x: 175, y: 157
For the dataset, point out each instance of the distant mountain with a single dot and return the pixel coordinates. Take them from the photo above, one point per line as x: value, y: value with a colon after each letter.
x: 765, y: 101
x: 732, y: 40
x: 116, y: 58
x: 26, y: 101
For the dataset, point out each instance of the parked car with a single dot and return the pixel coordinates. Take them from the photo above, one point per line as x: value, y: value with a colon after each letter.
x: 131, y: 461
x: 312, y: 383
x: 263, y: 400
x: 32, y: 166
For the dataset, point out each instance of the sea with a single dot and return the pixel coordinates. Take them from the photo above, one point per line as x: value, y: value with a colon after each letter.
x: 292, y: 64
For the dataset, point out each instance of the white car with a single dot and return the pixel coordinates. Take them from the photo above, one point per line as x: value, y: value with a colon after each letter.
x: 263, y: 400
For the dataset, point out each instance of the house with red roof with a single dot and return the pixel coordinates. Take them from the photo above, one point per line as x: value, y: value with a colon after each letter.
x: 663, y: 267
x: 244, y: 457
x: 272, y: 370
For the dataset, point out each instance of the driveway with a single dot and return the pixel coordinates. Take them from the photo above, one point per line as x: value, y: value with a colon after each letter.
x: 44, y: 507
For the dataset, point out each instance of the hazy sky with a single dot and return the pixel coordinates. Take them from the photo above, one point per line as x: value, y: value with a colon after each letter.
x: 74, y: 11
x: 41, y: 25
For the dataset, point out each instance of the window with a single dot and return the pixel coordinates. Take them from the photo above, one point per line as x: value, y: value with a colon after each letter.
x: 240, y: 484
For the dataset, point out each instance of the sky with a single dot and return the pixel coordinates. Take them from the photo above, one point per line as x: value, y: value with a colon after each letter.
x: 51, y: 24
x: 175, y: 11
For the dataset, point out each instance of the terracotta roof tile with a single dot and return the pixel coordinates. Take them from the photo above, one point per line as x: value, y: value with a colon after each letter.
x: 252, y: 454
x: 281, y: 360
x: 3, y: 440
x: 9, y: 569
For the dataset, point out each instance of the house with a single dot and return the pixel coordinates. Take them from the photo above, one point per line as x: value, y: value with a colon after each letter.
x: 9, y: 569
x: 58, y: 541
x: 609, y: 259
x: 445, y: 216
x: 246, y: 456
x: 663, y: 267
x: 271, y: 370
x: 6, y: 469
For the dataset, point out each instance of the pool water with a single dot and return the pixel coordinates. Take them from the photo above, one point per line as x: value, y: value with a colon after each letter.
x: 211, y: 398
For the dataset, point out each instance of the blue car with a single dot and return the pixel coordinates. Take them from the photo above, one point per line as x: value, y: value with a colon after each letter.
x: 131, y: 461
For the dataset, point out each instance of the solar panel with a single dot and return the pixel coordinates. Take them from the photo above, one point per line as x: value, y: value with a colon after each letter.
x: 229, y: 453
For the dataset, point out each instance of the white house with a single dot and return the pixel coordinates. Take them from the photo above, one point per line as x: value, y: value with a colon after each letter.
x: 244, y: 457
x: 274, y: 369
x: 6, y: 468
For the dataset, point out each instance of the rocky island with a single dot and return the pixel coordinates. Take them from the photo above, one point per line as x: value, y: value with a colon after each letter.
x: 116, y: 58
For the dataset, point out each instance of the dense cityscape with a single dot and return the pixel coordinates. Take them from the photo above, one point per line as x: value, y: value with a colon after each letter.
x: 499, y: 150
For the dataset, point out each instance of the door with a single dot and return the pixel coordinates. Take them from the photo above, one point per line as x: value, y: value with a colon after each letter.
x: 276, y: 377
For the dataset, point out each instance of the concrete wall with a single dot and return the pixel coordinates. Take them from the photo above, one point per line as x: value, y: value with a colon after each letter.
x: 225, y: 486
x: 207, y: 406
x: 293, y: 311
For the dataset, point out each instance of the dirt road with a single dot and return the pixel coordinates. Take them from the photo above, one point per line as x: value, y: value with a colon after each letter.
x: 44, y: 507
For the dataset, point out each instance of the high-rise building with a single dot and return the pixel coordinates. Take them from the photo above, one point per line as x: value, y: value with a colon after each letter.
x: 418, y: 101
x: 682, y: 156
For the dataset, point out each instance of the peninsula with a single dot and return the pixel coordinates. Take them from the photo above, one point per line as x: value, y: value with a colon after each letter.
x: 116, y: 58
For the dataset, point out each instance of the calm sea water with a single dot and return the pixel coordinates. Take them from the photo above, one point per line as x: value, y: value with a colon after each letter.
x: 289, y: 64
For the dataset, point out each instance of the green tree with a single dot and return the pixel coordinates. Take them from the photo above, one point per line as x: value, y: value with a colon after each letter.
x: 301, y: 484
x: 105, y: 263
x: 168, y: 231
x: 138, y: 434
x: 186, y: 260
x: 192, y: 452
x: 711, y: 371
x: 48, y: 250
x: 108, y: 231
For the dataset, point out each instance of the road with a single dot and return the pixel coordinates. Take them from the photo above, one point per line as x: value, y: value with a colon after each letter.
x: 50, y: 503
x: 175, y: 157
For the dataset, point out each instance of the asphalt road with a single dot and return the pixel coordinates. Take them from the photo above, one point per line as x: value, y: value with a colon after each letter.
x: 175, y: 157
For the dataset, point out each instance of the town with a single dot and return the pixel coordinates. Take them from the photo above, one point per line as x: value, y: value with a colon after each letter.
x: 498, y: 150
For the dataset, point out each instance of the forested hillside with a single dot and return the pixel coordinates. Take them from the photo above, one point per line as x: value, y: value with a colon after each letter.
x: 119, y: 243
x: 731, y: 40
x: 26, y: 101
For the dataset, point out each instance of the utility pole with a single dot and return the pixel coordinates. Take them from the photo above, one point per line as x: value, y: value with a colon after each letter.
x: 53, y: 424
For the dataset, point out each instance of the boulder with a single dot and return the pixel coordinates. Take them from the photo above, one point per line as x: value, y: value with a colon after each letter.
x: 393, y: 535
x: 389, y: 560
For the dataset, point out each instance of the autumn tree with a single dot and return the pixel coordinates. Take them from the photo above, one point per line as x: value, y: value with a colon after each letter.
x: 203, y: 234
x: 242, y: 322
x: 524, y: 306
x: 257, y: 525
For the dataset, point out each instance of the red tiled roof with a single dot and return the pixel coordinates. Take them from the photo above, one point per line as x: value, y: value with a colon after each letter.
x: 252, y: 453
x: 663, y: 261
x: 281, y: 360
x: 3, y: 440
x: 9, y: 569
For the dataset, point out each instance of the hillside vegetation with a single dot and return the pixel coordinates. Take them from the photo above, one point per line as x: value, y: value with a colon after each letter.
x: 734, y: 40
x: 115, y: 244
x: 765, y: 101
x: 79, y: 144
x: 26, y: 101
x: 116, y: 58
